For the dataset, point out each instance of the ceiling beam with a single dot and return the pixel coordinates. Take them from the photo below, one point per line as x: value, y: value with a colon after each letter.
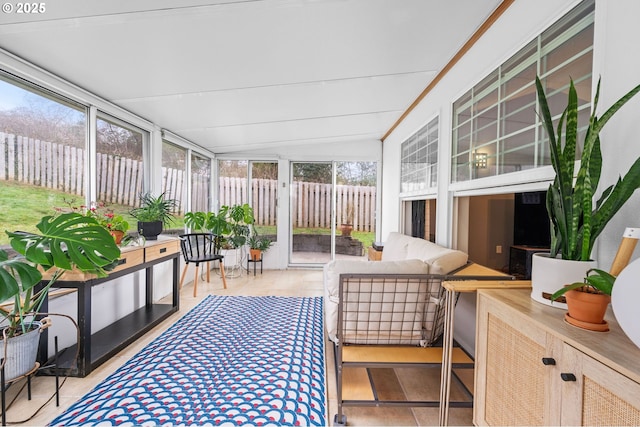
x: 463, y: 50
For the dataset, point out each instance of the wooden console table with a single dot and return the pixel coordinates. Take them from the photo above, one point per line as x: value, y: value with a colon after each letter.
x: 98, y: 347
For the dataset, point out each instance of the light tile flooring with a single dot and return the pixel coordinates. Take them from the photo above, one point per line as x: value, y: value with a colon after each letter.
x: 294, y: 282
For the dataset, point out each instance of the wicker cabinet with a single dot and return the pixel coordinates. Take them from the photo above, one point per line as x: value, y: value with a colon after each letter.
x: 534, y: 369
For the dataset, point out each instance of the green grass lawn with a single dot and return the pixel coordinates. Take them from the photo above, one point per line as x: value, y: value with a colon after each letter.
x: 366, y: 237
x: 22, y: 206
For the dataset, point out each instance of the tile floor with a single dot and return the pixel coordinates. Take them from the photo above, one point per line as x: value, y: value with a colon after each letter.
x: 293, y: 282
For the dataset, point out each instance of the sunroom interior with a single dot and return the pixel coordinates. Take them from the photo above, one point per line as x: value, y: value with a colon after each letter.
x: 411, y: 116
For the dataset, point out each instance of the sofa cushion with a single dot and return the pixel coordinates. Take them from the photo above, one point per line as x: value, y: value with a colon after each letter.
x: 333, y: 269
x: 395, y: 247
x: 441, y: 260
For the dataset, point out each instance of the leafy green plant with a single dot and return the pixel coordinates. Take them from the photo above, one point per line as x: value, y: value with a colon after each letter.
x: 212, y: 222
x: 575, y: 221
x: 66, y: 241
x: 107, y: 218
x: 258, y: 242
x: 155, y: 208
x: 240, y: 219
x: 596, y: 281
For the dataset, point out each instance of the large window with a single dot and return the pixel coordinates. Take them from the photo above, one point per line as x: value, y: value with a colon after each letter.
x: 496, y: 129
x: 200, y: 183
x: 255, y: 183
x: 419, y: 162
x: 42, y: 154
x: 174, y: 180
x: 119, y: 165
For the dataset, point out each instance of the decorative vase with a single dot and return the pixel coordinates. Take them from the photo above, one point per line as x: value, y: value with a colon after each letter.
x: 587, y: 309
x: 117, y: 236
x: 150, y: 230
x: 550, y: 274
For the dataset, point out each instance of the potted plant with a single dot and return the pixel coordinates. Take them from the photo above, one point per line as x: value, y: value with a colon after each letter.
x: 575, y: 220
x: 347, y: 224
x: 587, y: 301
x: 212, y: 222
x: 257, y: 245
x: 66, y: 241
x: 240, y: 218
x: 154, y: 213
x: 113, y: 222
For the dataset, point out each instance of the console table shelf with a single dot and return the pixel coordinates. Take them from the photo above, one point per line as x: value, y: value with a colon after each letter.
x: 96, y: 348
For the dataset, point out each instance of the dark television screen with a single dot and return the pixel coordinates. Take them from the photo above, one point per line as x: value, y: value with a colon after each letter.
x: 531, y: 222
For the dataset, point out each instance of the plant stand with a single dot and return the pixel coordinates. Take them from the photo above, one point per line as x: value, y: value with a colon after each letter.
x: 249, y: 260
x: 235, y: 269
x: 4, y: 385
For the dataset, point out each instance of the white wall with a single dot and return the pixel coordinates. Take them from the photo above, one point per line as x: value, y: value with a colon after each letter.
x: 615, y: 59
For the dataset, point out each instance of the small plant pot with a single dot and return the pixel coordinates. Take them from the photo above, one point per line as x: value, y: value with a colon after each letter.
x: 117, y: 236
x: 256, y: 254
x: 150, y: 230
x: 346, y: 230
x: 587, y: 310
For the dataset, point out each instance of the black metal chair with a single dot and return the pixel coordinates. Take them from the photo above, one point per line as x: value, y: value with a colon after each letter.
x: 198, y: 248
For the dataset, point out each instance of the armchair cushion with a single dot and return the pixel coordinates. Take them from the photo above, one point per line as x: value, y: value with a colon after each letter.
x: 333, y: 269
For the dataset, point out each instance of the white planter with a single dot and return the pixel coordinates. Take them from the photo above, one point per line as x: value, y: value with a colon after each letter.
x: 550, y: 274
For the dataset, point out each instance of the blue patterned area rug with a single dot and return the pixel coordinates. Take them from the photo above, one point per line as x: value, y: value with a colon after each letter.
x: 230, y: 361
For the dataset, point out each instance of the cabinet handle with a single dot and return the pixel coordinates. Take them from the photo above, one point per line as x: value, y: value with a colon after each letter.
x: 548, y: 361
x: 568, y: 377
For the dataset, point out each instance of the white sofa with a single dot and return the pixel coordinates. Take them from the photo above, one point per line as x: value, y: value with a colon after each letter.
x: 401, y: 255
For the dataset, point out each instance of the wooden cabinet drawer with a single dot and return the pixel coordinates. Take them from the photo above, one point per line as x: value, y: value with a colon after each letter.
x: 161, y: 249
x: 130, y: 258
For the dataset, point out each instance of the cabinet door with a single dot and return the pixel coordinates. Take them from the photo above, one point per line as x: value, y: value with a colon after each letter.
x: 513, y: 385
x: 599, y: 396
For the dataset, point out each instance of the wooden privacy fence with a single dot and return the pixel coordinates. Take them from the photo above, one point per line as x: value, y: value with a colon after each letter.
x: 312, y: 205
x: 62, y: 167
x: 311, y: 202
x: 120, y: 181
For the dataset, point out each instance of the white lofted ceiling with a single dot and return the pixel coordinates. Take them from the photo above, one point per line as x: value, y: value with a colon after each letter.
x: 238, y: 75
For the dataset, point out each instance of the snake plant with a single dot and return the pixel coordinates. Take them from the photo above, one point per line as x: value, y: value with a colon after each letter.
x: 575, y: 221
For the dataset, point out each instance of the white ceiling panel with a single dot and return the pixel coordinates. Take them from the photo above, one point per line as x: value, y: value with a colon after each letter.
x: 232, y: 73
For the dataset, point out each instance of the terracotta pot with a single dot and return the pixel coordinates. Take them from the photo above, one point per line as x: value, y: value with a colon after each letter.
x: 117, y: 236
x: 346, y: 229
x: 587, y: 307
x: 256, y: 254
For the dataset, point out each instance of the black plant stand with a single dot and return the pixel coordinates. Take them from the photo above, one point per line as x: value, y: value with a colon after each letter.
x: 249, y: 260
x: 4, y: 385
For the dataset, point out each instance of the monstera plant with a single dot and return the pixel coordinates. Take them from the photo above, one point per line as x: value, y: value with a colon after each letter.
x: 65, y: 241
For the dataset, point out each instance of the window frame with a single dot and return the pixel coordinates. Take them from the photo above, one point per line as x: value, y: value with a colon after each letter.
x: 463, y: 150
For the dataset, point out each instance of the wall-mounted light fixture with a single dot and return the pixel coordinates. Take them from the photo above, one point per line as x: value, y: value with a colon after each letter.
x: 480, y: 160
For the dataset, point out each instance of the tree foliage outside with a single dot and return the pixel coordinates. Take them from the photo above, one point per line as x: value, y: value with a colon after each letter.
x: 35, y: 116
x: 347, y: 173
x: 114, y: 139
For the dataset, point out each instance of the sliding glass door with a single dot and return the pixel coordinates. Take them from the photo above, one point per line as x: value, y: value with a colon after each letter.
x: 311, y: 212
x: 332, y: 210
